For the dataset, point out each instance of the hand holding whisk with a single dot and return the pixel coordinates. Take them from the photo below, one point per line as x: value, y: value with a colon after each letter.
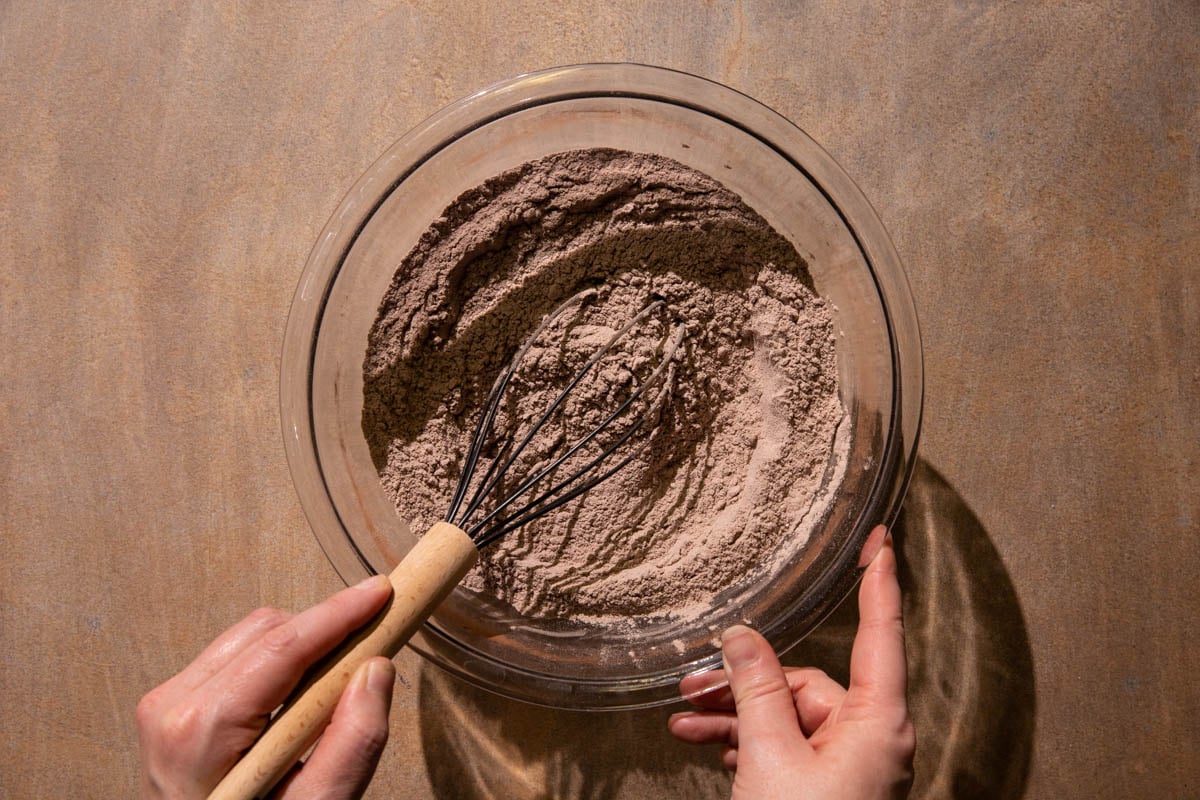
x: 486, y: 506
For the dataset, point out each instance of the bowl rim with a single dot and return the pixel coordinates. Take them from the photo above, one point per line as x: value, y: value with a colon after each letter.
x: 557, y: 84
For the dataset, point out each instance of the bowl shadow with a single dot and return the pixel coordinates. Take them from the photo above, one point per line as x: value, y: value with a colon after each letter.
x: 971, y: 691
x: 970, y: 667
x: 480, y: 746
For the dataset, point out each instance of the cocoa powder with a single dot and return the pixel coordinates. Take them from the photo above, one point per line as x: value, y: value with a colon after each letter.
x: 746, y: 436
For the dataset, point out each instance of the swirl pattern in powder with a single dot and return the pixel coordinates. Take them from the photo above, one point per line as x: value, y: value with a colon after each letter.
x: 745, y: 444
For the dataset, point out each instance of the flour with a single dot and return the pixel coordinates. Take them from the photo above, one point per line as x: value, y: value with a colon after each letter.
x: 743, y: 441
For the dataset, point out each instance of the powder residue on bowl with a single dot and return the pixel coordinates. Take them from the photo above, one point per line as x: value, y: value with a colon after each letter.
x: 744, y: 444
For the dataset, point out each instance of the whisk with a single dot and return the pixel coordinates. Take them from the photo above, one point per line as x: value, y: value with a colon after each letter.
x: 475, y: 519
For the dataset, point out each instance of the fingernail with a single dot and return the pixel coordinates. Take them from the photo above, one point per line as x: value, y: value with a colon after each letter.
x: 373, y: 582
x: 380, y: 676
x: 738, y: 647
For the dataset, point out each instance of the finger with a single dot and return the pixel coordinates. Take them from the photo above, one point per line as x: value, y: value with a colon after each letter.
x: 262, y: 676
x: 877, y: 662
x: 705, y: 727
x: 281, y: 789
x: 816, y: 695
x: 228, y: 645
x: 707, y: 690
x: 729, y: 758
x: 344, y: 761
x: 871, y: 546
x: 760, y: 690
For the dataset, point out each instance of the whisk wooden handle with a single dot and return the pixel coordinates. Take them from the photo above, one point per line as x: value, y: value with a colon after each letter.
x: 421, y: 581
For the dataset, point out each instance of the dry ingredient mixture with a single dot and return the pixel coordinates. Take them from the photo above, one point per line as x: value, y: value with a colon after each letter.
x: 745, y: 436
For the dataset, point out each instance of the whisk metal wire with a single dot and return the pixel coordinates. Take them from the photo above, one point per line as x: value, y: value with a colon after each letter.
x: 494, y: 524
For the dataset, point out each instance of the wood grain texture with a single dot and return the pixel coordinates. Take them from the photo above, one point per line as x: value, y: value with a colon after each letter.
x: 164, y: 171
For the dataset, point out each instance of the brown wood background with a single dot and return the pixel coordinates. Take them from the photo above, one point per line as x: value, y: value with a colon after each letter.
x: 164, y: 169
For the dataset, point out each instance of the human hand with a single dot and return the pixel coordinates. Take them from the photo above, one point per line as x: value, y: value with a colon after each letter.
x: 193, y: 728
x: 797, y: 733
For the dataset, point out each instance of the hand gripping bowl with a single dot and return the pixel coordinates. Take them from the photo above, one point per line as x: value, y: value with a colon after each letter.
x: 784, y: 176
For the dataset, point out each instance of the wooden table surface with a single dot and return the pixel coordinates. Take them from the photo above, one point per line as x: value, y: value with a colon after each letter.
x: 165, y: 170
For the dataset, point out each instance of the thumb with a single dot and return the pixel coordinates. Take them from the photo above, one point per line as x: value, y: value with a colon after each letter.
x: 761, y: 695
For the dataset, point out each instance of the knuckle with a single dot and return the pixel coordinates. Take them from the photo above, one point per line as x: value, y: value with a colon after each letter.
x: 897, y: 736
x: 803, y: 676
x: 906, y: 739
x: 180, y: 726
x: 754, y: 688
x: 267, y: 616
x: 147, y: 709
x: 889, y: 623
x: 371, y: 737
x: 903, y: 751
x: 281, y: 638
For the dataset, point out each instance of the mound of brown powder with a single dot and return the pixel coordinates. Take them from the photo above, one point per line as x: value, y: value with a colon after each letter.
x: 742, y: 445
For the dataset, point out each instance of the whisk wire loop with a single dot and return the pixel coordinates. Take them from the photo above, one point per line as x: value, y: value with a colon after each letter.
x: 595, y: 462
x: 487, y: 418
x: 493, y: 525
x: 532, y: 511
x: 487, y: 485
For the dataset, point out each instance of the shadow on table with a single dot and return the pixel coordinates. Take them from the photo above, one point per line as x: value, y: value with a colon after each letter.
x: 478, y: 745
x: 970, y: 687
x: 970, y: 669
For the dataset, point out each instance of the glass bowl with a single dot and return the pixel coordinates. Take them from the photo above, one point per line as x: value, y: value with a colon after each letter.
x: 780, y: 173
